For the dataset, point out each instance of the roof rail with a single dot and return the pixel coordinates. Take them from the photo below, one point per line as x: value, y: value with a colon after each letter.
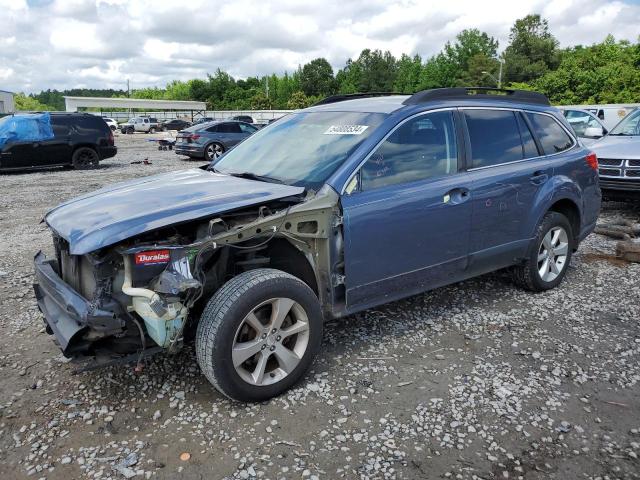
x: 352, y: 96
x: 484, y: 93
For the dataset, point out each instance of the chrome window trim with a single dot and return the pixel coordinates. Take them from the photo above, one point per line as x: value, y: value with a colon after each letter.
x: 384, y: 139
x: 571, y: 136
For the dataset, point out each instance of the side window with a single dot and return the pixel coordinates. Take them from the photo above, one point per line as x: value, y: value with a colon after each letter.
x: 421, y: 148
x: 246, y: 128
x: 60, y: 126
x: 213, y: 129
x: 552, y: 136
x: 494, y: 137
x: 229, y: 128
x: 528, y: 144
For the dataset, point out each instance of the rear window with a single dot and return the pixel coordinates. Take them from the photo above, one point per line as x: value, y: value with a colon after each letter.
x: 494, y: 137
x: 552, y: 136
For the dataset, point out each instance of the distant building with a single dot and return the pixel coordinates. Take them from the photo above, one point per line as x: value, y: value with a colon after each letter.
x: 6, y: 102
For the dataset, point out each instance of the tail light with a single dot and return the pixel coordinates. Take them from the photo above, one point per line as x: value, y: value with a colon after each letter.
x: 193, y: 137
x: 111, y: 139
x: 592, y: 160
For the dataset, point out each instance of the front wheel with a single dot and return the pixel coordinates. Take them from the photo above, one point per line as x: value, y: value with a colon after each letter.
x: 259, y: 334
x: 549, y: 254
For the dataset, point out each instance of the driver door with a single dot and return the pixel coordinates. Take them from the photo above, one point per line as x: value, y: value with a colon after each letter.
x: 407, y: 214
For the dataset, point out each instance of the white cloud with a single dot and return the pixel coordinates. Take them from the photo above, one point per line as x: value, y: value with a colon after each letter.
x: 102, y: 43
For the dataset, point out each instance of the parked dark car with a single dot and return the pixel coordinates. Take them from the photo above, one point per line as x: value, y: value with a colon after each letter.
x: 80, y: 140
x: 176, y: 124
x: 334, y: 209
x: 211, y: 140
x: 243, y: 118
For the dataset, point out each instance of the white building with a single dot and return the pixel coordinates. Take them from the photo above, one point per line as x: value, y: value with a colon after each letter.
x: 6, y: 102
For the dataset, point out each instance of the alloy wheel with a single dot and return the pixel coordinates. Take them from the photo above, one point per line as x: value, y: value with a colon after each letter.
x: 214, y: 151
x: 552, y: 254
x: 270, y: 342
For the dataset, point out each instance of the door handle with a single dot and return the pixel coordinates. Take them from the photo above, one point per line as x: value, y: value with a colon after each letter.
x: 539, y: 177
x: 456, y: 196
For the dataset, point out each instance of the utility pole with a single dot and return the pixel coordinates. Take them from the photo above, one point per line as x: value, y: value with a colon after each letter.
x: 128, y: 91
x: 500, y: 73
x: 267, y: 87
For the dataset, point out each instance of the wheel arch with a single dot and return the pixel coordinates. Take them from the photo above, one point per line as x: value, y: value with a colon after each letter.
x: 78, y: 146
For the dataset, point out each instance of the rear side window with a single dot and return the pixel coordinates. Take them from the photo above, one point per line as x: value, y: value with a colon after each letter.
x: 494, y: 137
x: 229, y: 128
x: 246, y: 128
x: 213, y: 129
x: 422, y: 148
x: 60, y: 125
x: 528, y: 144
x: 552, y: 136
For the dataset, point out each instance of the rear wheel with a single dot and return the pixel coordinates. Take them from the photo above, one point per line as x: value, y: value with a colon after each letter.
x: 213, y: 151
x: 259, y: 334
x: 85, y: 158
x: 549, y: 254
x: 152, y: 130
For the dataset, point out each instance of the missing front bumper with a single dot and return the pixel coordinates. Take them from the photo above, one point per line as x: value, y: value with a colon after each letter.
x: 67, y: 314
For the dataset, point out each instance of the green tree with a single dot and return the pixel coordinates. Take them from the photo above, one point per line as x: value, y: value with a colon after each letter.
x: 408, y: 75
x: 316, y: 78
x: 298, y: 100
x: 532, y: 50
x: 469, y: 44
x: 606, y: 72
x: 438, y: 72
x: 27, y: 103
x: 373, y: 71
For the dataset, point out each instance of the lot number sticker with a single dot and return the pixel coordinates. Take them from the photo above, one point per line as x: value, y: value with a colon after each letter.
x: 346, y: 129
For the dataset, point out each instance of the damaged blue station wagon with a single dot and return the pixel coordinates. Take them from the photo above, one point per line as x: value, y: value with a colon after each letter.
x: 357, y: 201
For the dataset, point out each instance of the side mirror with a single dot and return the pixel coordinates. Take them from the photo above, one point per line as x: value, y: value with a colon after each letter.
x: 593, y: 132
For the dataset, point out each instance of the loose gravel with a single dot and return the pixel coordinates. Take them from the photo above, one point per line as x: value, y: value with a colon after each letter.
x: 478, y: 380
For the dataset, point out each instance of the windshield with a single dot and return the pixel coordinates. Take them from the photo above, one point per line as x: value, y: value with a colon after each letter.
x: 629, y: 125
x: 301, y: 149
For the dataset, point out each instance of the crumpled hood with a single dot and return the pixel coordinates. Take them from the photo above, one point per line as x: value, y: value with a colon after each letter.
x: 617, y: 147
x: 124, y: 210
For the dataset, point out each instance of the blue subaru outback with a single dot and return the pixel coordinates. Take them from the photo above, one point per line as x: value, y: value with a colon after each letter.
x: 357, y: 201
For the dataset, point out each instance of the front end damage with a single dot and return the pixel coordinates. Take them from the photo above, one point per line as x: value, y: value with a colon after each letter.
x: 147, y: 292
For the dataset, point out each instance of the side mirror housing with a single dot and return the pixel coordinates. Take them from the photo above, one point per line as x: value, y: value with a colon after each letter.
x: 593, y: 132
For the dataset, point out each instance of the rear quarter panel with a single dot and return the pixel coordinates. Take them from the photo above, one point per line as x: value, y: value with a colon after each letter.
x: 573, y: 179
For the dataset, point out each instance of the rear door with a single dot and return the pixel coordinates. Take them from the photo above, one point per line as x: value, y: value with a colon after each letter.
x: 407, y: 214
x: 507, y: 169
x: 57, y: 151
x: 230, y: 133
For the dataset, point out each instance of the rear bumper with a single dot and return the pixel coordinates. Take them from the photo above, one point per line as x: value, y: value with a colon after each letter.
x: 189, y: 150
x: 107, y: 152
x: 67, y: 314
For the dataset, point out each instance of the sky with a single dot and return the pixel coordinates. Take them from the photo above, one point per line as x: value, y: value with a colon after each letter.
x: 65, y: 44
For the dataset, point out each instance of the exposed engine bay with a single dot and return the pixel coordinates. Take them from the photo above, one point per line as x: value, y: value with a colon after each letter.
x: 148, y: 291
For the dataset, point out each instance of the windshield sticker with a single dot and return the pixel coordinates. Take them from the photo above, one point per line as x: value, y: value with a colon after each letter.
x: 346, y: 129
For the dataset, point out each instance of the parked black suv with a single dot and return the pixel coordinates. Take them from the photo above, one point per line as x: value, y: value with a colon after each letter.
x: 80, y: 140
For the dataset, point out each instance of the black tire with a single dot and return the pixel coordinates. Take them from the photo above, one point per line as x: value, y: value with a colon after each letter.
x: 209, y: 151
x: 152, y: 130
x: 528, y: 275
x: 225, y: 313
x: 85, y: 158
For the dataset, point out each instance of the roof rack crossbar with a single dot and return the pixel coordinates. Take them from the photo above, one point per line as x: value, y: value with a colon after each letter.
x: 352, y: 96
x: 467, y: 93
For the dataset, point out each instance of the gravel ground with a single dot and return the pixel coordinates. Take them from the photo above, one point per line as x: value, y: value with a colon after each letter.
x: 475, y: 380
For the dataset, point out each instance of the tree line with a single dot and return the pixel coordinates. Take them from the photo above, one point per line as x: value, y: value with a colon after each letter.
x: 605, y: 72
